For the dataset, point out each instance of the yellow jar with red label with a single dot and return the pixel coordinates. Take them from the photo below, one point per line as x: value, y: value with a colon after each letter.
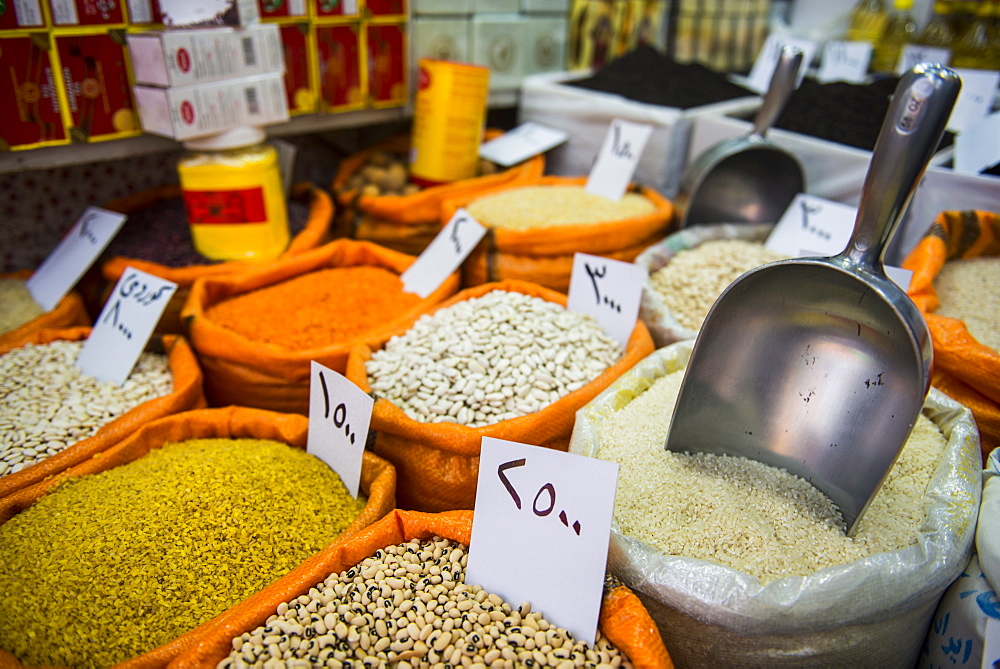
x: 233, y: 194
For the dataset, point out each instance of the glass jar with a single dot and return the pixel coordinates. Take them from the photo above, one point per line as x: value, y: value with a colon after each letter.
x: 232, y: 190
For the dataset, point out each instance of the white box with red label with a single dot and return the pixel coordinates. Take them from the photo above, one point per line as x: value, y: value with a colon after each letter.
x: 185, y: 112
x: 183, y: 57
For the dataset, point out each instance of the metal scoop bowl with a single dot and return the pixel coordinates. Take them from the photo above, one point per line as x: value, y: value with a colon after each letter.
x: 820, y: 366
x: 746, y: 179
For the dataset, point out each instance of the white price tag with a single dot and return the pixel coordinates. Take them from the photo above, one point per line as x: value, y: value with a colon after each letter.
x: 526, y: 140
x: 979, y: 87
x: 914, y: 54
x: 978, y: 147
x: 991, y: 645
x: 759, y: 78
x: 444, y: 254
x: 124, y: 325
x: 540, y: 531
x: 339, y: 416
x: 609, y: 290
x: 618, y: 158
x: 77, y: 251
x: 844, y: 61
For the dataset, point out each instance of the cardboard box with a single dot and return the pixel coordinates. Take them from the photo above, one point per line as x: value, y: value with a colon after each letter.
x: 210, y: 13
x: 440, y: 38
x: 453, y: 7
x: 22, y: 15
x: 144, y: 13
x: 296, y: 44
x: 385, y: 7
x: 497, y: 43
x: 104, y: 13
x: 549, y: 6
x: 544, y: 45
x: 388, y: 63
x: 29, y: 102
x: 271, y: 10
x: 185, y: 112
x: 333, y: 9
x: 338, y: 67
x: 95, y: 77
x: 184, y: 57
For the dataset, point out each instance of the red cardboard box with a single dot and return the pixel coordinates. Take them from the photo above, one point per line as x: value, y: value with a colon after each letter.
x: 387, y: 65
x: 338, y: 53
x: 333, y: 9
x: 86, y: 12
x: 297, y: 52
x: 21, y: 15
x: 145, y: 12
x: 29, y: 103
x: 385, y: 7
x: 282, y: 9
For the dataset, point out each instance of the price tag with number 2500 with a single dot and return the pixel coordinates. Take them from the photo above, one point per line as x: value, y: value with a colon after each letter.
x: 541, y: 529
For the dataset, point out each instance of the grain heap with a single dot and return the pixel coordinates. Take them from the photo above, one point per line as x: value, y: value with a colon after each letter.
x: 316, y: 309
x: 968, y: 290
x: 756, y: 519
x: 108, y: 566
x: 694, y: 278
x: 409, y: 606
x: 542, y: 206
x: 17, y: 307
x: 48, y: 404
x: 491, y: 358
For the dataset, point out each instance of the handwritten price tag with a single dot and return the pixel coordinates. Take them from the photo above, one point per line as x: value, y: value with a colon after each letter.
x: 526, y: 140
x: 618, y: 158
x: 75, y: 253
x: 541, y: 529
x: 979, y: 87
x: 339, y: 416
x: 444, y: 254
x: 845, y: 61
x: 978, y: 147
x: 759, y: 78
x: 125, y: 325
x: 609, y: 290
x: 914, y: 54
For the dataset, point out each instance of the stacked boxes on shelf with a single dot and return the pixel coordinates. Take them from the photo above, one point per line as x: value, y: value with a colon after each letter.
x: 514, y: 38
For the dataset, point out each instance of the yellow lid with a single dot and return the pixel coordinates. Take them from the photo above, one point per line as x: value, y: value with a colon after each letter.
x: 903, y: 5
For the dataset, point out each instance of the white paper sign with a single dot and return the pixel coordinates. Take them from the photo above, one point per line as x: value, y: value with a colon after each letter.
x: 77, y: 251
x: 540, y: 531
x: 339, y: 416
x: 978, y: 147
x: 444, y: 254
x: 124, y: 325
x: 617, y: 159
x: 759, y: 78
x: 914, y: 54
x: 526, y: 140
x: 845, y: 61
x: 609, y: 290
x: 991, y: 645
x: 979, y: 87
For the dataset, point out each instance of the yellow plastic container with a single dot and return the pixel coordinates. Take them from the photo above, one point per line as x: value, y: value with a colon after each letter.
x: 232, y: 190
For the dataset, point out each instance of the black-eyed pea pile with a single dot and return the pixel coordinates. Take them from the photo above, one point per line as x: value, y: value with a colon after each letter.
x: 47, y: 404
x: 17, y: 307
x: 491, y: 358
x: 408, y: 606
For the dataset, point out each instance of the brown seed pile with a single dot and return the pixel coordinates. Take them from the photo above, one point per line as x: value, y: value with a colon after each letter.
x: 17, y: 307
x: 108, y: 566
x: 969, y: 290
x: 409, y: 606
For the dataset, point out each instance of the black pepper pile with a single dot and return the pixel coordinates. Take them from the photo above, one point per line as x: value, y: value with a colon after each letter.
x: 648, y: 76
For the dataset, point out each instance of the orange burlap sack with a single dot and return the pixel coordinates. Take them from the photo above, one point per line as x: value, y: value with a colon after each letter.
x: 408, y: 223
x: 963, y: 369
x: 249, y: 373
x: 187, y: 394
x: 544, y: 255
x: 314, y: 234
x: 378, y: 483
x: 623, y: 618
x: 438, y: 463
x: 70, y: 312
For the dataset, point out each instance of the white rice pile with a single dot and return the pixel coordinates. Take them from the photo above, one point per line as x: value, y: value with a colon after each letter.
x: 969, y: 290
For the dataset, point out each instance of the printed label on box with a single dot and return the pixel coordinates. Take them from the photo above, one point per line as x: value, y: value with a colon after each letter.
x: 96, y: 82
x: 86, y: 12
x: 282, y: 9
x: 338, y: 49
x: 333, y: 8
x: 21, y: 14
x: 29, y: 103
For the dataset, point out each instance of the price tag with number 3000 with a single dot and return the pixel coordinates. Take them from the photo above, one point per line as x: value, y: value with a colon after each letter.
x: 541, y: 529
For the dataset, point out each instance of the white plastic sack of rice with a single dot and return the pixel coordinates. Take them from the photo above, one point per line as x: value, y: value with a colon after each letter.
x: 688, y: 270
x: 742, y: 565
x: 965, y: 631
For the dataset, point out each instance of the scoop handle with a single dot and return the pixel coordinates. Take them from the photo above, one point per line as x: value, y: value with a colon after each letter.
x: 913, y: 126
x: 786, y: 70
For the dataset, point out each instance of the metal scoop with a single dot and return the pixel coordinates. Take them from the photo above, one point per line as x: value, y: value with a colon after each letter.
x: 746, y: 179
x: 821, y: 366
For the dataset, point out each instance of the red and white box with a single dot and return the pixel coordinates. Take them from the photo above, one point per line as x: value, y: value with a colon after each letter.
x: 22, y: 15
x: 66, y: 13
x: 338, y: 64
x: 278, y: 10
x: 29, y: 103
x: 186, y: 112
x: 297, y: 46
x: 209, y: 13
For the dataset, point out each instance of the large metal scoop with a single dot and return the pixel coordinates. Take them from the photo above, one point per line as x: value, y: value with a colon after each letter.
x: 746, y: 179
x: 821, y: 366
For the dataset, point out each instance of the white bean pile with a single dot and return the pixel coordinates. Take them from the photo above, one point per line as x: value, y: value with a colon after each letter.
x: 409, y: 606
x: 17, y: 307
x: 490, y: 359
x: 47, y: 404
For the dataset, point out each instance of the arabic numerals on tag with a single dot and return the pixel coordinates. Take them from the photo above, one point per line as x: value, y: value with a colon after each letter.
x: 339, y: 414
x: 620, y: 148
x: 595, y: 274
x: 85, y: 229
x: 132, y: 290
x: 544, y: 501
x: 810, y: 209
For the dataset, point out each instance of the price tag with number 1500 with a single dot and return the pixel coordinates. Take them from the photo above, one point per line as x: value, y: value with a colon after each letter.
x: 541, y: 529
x: 339, y: 416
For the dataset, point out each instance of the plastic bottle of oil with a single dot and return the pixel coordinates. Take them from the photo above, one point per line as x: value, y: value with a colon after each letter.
x: 939, y: 31
x: 867, y: 21
x: 975, y: 46
x: 900, y: 30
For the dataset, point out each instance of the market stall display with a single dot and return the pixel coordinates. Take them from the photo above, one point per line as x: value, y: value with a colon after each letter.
x: 21, y: 316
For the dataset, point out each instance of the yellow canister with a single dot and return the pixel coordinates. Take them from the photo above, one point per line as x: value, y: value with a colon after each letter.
x: 449, y: 114
x: 232, y: 190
